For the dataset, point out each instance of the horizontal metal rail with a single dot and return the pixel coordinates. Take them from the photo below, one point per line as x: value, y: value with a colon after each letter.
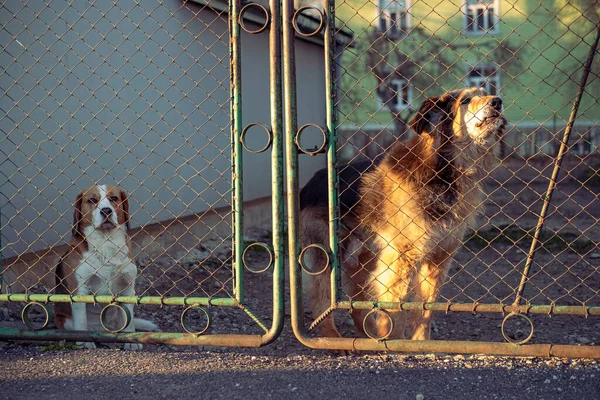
x: 473, y: 307
x: 172, y: 338
x: 90, y: 299
x: 444, y: 346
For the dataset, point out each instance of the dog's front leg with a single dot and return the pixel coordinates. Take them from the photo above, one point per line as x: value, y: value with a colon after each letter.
x: 389, y: 283
x: 124, y: 285
x: 429, y: 280
x: 80, y: 320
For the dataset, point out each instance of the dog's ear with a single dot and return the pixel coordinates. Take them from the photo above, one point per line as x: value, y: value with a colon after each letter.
x: 433, y: 111
x: 424, y: 119
x: 125, y: 206
x: 77, y: 216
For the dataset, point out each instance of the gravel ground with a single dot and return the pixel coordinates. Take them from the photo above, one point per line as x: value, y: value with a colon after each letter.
x: 27, y: 372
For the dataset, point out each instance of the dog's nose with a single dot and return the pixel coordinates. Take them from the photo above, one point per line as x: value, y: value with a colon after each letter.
x: 497, y: 103
x: 106, y: 212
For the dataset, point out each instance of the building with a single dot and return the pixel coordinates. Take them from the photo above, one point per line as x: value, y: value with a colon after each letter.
x: 528, y: 52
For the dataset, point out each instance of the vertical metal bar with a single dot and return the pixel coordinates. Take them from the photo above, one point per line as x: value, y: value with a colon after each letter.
x: 561, y: 152
x: 276, y: 166
x: 291, y: 126
x: 332, y: 178
x: 236, y: 146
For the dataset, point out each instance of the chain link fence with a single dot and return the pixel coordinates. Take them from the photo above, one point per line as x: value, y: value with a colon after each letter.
x: 139, y: 94
x: 149, y: 96
x: 533, y: 249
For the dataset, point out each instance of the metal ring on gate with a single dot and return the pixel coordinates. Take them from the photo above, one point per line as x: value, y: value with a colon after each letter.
x: 381, y: 312
x: 258, y: 244
x: 314, y: 32
x: 508, y: 339
x: 261, y: 28
x: 27, y: 320
x: 120, y: 307
x: 243, y: 138
x: 316, y: 150
x: 305, y: 268
x: 185, y: 324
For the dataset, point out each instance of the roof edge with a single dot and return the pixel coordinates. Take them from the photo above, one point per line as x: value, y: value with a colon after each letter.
x: 342, y: 36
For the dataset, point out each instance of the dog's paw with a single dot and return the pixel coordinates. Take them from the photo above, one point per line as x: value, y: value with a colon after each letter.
x: 133, y: 346
x: 86, y: 345
x: 340, y: 353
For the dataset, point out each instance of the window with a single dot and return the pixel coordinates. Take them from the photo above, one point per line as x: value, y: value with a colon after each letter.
x: 398, y: 94
x: 486, y: 76
x: 394, y: 19
x: 481, y: 16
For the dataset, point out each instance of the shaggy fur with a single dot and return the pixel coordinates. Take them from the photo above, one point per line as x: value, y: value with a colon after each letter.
x: 404, y: 216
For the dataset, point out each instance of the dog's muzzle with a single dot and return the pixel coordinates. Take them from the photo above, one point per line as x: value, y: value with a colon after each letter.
x: 106, y: 213
x: 493, y: 113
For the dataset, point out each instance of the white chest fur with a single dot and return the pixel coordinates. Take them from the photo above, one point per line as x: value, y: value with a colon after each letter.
x: 106, y: 268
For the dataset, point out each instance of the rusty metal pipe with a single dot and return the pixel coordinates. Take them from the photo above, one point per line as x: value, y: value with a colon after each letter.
x: 473, y: 308
x: 462, y: 347
x: 183, y: 339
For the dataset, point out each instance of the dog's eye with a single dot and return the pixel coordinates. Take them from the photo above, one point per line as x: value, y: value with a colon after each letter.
x: 114, y: 199
x: 465, y: 101
x: 92, y: 200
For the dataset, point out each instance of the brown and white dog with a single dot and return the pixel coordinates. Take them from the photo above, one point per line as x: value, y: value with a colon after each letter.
x: 98, y: 262
x: 404, y: 215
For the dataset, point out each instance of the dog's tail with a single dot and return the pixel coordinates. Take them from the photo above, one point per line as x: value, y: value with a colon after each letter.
x: 144, y: 325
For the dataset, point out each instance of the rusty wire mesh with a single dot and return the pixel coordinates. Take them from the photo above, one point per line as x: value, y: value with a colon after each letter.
x: 135, y: 94
x: 532, y: 55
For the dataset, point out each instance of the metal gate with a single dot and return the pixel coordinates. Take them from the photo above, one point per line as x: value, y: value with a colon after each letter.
x: 147, y: 96
x: 532, y: 259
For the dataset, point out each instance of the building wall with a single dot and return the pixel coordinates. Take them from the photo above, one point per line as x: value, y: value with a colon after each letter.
x: 132, y: 93
x: 538, y: 85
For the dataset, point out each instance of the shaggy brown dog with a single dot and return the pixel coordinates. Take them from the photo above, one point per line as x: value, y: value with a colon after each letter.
x: 404, y: 216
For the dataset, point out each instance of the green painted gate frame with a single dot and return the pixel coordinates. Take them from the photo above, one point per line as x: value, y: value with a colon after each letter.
x: 408, y: 346
x: 270, y: 333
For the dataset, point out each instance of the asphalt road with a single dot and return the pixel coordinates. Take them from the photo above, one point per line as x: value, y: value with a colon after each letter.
x: 34, y: 372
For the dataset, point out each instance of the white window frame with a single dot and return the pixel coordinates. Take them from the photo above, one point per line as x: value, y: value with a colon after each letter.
x: 476, y: 76
x: 393, y: 17
x: 489, y: 9
x: 402, y: 96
